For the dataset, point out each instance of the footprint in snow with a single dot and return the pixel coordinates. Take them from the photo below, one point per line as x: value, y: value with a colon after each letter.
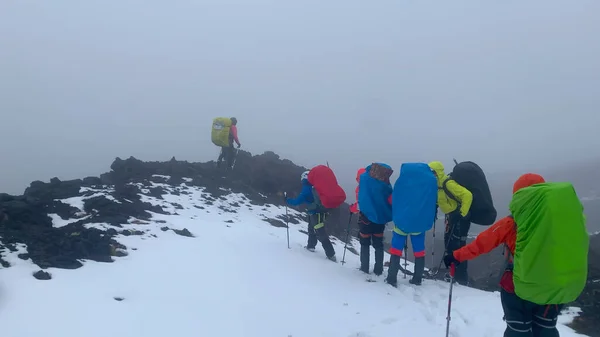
x: 359, y: 334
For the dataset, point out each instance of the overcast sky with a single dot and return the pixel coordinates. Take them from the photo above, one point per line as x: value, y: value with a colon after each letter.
x: 508, y: 84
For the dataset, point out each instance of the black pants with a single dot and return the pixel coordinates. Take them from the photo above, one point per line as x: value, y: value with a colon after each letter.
x: 227, y: 153
x: 455, y: 237
x: 370, y: 234
x: 317, y: 231
x: 527, y: 319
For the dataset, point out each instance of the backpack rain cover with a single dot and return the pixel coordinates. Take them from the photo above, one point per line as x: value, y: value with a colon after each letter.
x: 220, y: 131
x: 324, y: 182
x: 551, y: 253
x: 414, y: 200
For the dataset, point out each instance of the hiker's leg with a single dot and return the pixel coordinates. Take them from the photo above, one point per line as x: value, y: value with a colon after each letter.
x: 461, y: 235
x: 377, y: 242
x: 418, y: 245
x: 544, y: 320
x: 221, y: 156
x: 392, y: 276
x: 517, y: 315
x: 364, y: 235
x: 230, y: 155
x: 323, y: 235
x: 398, y: 242
x: 312, y: 236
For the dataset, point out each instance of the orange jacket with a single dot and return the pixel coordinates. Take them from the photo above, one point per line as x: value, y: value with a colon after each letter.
x: 503, y: 231
x: 354, y: 206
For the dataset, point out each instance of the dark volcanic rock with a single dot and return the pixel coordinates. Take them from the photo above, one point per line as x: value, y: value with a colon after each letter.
x: 42, y: 275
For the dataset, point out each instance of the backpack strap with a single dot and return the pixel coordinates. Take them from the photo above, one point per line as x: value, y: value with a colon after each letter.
x: 449, y: 194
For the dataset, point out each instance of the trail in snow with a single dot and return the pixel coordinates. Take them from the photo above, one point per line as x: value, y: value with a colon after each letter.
x: 235, y: 278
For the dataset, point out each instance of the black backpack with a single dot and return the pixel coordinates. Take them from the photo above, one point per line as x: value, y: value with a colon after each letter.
x: 470, y: 176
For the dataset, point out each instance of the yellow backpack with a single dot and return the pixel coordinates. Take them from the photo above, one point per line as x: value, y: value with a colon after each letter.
x: 220, y: 131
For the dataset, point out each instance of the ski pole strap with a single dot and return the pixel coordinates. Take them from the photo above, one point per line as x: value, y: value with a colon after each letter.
x: 452, y: 269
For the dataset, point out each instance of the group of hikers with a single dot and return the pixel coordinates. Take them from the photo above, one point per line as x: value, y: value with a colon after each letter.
x: 545, y: 239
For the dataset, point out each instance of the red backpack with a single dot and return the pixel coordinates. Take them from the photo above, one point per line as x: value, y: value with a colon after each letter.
x: 324, y: 182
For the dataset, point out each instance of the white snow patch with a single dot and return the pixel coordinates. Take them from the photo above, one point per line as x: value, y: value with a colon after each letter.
x: 187, y: 180
x: 238, y: 270
x: 161, y: 176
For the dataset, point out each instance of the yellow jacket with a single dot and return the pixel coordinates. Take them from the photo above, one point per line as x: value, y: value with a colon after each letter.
x: 447, y: 204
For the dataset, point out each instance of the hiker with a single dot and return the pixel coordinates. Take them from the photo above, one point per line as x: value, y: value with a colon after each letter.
x: 545, y: 226
x: 414, y: 211
x: 375, y: 211
x: 322, y: 193
x: 457, y: 215
x: 224, y: 134
x: 354, y: 206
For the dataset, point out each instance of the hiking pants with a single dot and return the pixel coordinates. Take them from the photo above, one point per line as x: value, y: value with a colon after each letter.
x: 316, y: 230
x: 370, y: 234
x: 227, y: 153
x: 527, y: 319
x: 455, y: 237
x: 418, y: 245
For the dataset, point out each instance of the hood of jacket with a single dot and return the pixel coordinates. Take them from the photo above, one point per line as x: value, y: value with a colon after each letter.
x: 359, y: 172
x: 527, y: 180
x: 438, y: 168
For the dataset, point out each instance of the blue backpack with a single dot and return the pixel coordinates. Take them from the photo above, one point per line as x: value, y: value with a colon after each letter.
x: 414, y: 200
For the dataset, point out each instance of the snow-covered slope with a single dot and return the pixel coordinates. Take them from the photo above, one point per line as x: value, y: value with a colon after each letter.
x: 235, y: 277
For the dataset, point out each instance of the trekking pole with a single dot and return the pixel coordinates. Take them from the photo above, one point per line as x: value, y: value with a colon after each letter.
x: 347, y: 238
x: 287, y: 221
x: 405, y: 250
x: 452, y: 270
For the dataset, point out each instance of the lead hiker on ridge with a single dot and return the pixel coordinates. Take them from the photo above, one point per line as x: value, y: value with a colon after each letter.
x: 224, y: 133
x: 321, y: 193
x: 538, y: 281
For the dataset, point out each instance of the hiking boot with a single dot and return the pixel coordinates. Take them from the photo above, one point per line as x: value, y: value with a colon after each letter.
x: 392, y: 277
x: 310, y: 249
x: 365, y: 250
x: 332, y: 258
x: 418, y: 271
x: 392, y: 283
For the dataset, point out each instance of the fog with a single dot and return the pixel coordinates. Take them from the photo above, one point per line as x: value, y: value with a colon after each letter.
x: 511, y: 85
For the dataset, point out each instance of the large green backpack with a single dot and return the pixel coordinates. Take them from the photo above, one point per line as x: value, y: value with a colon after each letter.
x: 550, y: 262
x: 219, y: 135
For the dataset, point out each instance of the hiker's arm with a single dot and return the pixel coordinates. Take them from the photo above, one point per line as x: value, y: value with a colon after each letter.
x: 462, y: 194
x: 354, y: 206
x: 302, y: 197
x: 486, y: 241
x: 235, y: 135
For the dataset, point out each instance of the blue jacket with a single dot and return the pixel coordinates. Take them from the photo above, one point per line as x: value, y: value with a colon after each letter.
x: 305, y: 197
x: 373, y: 198
x: 415, y: 198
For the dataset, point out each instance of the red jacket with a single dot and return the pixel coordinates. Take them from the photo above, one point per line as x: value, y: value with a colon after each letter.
x: 502, y: 232
x: 234, y: 135
x: 354, y: 206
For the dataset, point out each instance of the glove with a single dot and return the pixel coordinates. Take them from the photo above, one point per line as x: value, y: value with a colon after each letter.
x: 450, y: 259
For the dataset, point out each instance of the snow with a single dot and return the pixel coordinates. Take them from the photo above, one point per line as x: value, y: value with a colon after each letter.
x: 236, y: 277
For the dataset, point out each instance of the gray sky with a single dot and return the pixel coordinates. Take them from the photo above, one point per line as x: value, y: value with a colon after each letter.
x: 507, y: 84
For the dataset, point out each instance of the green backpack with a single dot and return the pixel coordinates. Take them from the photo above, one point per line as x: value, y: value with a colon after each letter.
x: 550, y: 262
x: 219, y: 135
